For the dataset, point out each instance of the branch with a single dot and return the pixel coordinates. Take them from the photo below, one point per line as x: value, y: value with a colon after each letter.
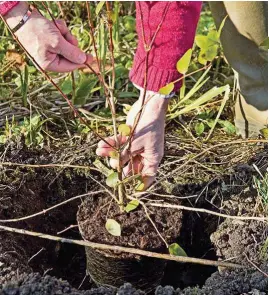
x: 263, y: 219
x: 47, y: 166
x: 55, y: 85
x: 181, y: 259
x: 51, y: 208
x: 205, y: 151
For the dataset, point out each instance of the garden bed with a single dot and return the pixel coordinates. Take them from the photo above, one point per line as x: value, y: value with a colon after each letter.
x: 27, y: 190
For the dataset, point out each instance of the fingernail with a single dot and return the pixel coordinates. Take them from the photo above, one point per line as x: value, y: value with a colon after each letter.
x: 82, y: 58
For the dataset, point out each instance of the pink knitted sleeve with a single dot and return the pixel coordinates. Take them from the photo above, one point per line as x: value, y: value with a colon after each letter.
x: 5, y: 6
x: 175, y: 37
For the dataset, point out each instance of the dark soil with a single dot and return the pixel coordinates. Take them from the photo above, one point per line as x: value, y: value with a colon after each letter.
x: 25, y: 191
x: 239, y: 239
x: 230, y: 283
x: 137, y: 230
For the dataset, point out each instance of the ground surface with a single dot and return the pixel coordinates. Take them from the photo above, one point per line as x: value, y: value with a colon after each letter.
x: 216, y: 174
x: 28, y: 190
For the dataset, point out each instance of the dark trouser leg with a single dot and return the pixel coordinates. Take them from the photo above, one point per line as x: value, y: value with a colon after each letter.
x: 243, y: 32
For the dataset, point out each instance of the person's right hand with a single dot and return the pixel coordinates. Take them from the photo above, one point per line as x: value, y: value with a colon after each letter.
x: 53, y: 48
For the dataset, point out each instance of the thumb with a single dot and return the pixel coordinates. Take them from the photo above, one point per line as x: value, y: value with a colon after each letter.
x: 71, y: 52
x: 150, y: 168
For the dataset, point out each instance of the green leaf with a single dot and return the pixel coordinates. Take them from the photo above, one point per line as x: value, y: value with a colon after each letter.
x: 99, y: 7
x: 176, y: 250
x: 213, y: 38
x: 98, y: 164
x: 140, y: 185
x: 114, y: 155
x: 131, y: 206
x: 124, y: 129
x: 223, y: 103
x: 221, y: 26
x: 265, y: 44
x: 126, y: 108
x: 201, y: 41
x: 199, y: 128
x: 201, y: 57
x: 3, y: 139
x: 112, y: 179
x: 66, y: 87
x: 129, y: 23
x: 228, y: 127
x: 211, y: 52
x: 213, y: 92
x: 167, y: 89
x: 184, y: 62
x: 84, y: 89
x: 113, y: 227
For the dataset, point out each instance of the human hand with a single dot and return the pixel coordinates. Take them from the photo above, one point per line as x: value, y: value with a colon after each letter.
x: 53, y: 48
x: 147, y: 146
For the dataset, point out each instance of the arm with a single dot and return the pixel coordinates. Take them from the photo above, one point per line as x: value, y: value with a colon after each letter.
x: 173, y: 40
x: 53, y: 48
x: 175, y: 37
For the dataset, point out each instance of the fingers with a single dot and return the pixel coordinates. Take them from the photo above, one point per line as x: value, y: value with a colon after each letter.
x: 61, y: 25
x: 61, y: 65
x: 151, y: 164
x: 125, y: 157
x: 71, y: 52
x: 103, y: 149
x: 134, y: 167
x: 138, y: 167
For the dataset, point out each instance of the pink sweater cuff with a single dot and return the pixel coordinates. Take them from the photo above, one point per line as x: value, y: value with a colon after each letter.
x: 174, y: 38
x: 6, y: 6
x: 157, y: 78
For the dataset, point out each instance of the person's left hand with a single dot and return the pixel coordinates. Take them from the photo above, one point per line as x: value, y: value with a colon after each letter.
x: 147, y: 146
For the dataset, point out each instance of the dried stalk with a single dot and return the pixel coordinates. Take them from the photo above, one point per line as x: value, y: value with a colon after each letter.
x: 147, y: 48
x: 77, y: 114
x: 203, y: 152
x: 51, y: 208
x: 92, y: 35
x: 47, y: 166
x: 180, y: 207
x: 181, y: 259
x: 121, y: 193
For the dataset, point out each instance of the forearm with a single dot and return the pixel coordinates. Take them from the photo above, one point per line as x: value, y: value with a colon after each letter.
x: 174, y: 38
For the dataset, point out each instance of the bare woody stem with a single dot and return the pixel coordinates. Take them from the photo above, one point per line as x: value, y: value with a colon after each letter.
x: 147, y: 48
x: 77, y: 114
x: 121, y: 193
x: 181, y: 259
x: 92, y: 35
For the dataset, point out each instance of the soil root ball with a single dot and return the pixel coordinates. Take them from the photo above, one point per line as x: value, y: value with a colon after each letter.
x: 108, y: 268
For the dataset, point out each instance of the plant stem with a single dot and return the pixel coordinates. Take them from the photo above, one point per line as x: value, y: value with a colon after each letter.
x: 77, y: 114
x: 121, y: 192
x: 181, y: 259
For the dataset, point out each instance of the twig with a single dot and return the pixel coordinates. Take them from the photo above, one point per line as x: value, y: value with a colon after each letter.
x: 48, y: 166
x: 113, y: 109
x: 181, y: 259
x: 205, y: 151
x: 147, y: 48
x: 92, y: 35
x: 252, y: 263
x: 31, y: 258
x: 51, y: 208
x: 55, y: 85
x: 67, y: 228
x: 263, y: 219
x: 155, y: 227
